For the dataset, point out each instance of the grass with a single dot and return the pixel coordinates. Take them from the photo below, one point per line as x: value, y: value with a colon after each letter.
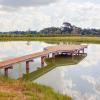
x: 86, y: 39
x: 26, y: 90
x: 5, y: 94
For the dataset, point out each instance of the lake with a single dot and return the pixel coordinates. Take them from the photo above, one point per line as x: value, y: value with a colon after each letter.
x: 80, y: 80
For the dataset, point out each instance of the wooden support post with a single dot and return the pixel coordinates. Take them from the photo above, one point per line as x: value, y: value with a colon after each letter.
x: 83, y: 50
x: 42, y: 60
x: 61, y: 53
x: 27, y: 65
x: 78, y: 52
x: 57, y: 53
x: 75, y: 52
x: 48, y: 56
x: 53, y: 55
x: 6, y: 70
x: 72, y: 55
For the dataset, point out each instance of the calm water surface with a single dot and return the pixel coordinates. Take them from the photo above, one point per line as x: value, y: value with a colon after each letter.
x: 16, y: 49
x: 81, y: 81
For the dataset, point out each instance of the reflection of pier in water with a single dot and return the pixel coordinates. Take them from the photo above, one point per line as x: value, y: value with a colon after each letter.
x: 69, y: 50
x: 52, y: 63
x: 62, y: 60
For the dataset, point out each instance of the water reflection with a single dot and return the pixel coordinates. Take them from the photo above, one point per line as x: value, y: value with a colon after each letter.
x: 62, y: 60
x: 15, y: 49
x: 52, y: 63
x: 81, y: 81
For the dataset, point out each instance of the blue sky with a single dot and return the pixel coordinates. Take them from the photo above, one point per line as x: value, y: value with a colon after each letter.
x: 38, y: 14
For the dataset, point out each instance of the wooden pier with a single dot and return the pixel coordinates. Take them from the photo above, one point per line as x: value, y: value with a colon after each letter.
x: 54, y: 50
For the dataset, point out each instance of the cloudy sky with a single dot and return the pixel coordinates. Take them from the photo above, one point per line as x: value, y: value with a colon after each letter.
x: 38, y: 14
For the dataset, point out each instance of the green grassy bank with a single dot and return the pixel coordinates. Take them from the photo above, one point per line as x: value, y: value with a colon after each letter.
x: 26, y: 90
x: 86, y: 39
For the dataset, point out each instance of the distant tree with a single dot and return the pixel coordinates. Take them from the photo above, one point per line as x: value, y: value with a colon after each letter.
x: 51, y: 30
x: 76, y: 30
x: 67, y: 27
x: 90, y: 32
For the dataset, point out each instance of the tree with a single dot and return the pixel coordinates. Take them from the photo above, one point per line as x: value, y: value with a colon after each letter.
x: 51, y: 30
x: 67, y: 27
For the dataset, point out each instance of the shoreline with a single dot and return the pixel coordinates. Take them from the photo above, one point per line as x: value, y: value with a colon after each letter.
x: 81, y: 39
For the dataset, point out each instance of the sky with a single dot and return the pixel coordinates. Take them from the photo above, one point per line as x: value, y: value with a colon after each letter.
x: 38, y: 14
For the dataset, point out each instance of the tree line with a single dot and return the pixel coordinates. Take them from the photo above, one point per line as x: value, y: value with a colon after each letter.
x: 65, y: 29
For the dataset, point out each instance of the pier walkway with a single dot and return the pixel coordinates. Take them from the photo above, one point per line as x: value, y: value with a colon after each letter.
x: 54, y: 50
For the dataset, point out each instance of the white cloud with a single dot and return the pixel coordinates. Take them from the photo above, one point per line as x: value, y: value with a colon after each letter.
x: 90, y: 79
x: 84, y: 14
x: 23, y: 20
x: 81, y: 14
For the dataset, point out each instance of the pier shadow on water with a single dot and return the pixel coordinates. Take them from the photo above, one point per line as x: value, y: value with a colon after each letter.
x: 51, y: 63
